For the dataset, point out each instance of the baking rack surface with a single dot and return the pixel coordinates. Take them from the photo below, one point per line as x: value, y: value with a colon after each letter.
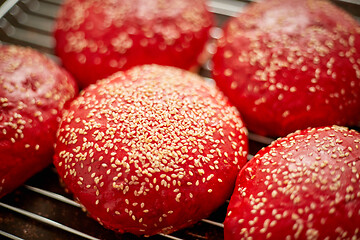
x: 41, y: 209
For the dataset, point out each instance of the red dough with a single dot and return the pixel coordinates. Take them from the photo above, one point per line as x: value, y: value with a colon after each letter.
x: 289, y: 65
x: 153, y: 149
x: 33, y: 91
x: 304, y: 186
x: 97, y: 38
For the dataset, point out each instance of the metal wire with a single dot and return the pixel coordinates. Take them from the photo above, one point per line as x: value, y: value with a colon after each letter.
x: 7, y: 6
x: 47, y: 221
x: 53, y: 223
x: 63, y: 199
x: 8, y: 235
x: 213, y: 223
x: 53, y: 195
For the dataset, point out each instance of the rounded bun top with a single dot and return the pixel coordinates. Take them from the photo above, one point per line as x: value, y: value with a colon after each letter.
x: 288, y: 65
x: 33, y: 92
x: 303, y: 186
x: 106, y: 36
x: 140, y: 147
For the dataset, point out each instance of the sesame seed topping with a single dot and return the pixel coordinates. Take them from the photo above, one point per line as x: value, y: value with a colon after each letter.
x: 286, y: 74
x: 136, y: 140
x: 299, y: 182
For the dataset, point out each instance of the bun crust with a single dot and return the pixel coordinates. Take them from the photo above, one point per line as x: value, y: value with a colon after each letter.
x: 140, y: 147
x: 33, y: 92
x: 289, y: 65
x: 303, y: 186
x: 97, y: 38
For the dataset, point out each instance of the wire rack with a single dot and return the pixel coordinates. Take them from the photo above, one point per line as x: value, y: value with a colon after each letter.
x: 41, y: 209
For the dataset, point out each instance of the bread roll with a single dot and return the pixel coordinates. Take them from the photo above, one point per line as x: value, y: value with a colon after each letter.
x: 33, y: 92
x: 97, y: 38
x: 303, y: 186
x: 289, y: 65
x: 150, y: 150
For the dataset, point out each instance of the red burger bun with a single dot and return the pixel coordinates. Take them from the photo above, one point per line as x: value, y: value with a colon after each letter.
x: 97, y: 38
x: 140, y: 147
x: 289, y: 65
x: 33, y: 91
x: 303, y: 186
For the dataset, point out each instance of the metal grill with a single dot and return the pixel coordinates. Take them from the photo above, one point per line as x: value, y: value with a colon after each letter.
x: 41, y: 209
